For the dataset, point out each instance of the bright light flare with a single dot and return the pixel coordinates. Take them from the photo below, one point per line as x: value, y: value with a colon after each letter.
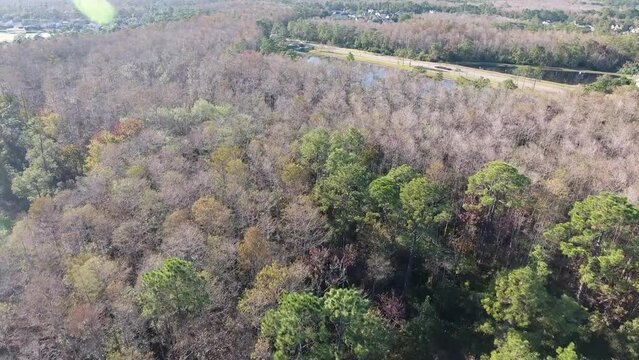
x: 99, y: 11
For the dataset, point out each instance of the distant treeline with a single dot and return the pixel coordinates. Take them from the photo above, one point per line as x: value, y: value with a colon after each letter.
x: 326, y: 9
x: 422, y: 39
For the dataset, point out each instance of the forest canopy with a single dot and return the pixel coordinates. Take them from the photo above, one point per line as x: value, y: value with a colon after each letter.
x: 171, y: 192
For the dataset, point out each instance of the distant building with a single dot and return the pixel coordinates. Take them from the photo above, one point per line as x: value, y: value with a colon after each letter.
x: 32, y: 28
x: 42, y: 35
x: 340, y: 15
x: 384, y: 17
x: 589, y: 27
x: 18, y: 30
x: 299, y: 46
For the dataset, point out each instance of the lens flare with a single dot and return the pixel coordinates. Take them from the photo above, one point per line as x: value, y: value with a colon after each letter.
x: 99, y: 11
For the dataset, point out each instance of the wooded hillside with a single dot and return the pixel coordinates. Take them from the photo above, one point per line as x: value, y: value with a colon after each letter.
x: 172, y: 193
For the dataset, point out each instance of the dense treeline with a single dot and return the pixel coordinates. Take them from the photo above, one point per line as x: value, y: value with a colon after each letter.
x: 58, y: 11
x: 470, y: 39
x: 79, y: 94
x: 611, y: 18
x: 191, y: 198
x: 204, y: 221
x: 315, y: 9
x: 311, y: 9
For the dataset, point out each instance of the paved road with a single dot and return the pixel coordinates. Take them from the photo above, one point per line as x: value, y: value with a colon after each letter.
x: 449, y: 70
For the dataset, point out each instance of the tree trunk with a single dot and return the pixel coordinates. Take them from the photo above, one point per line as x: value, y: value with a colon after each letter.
x: 581, y: 286
x: 409, y: 266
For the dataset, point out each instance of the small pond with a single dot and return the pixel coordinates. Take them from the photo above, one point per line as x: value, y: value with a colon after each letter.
x: 375, y: 72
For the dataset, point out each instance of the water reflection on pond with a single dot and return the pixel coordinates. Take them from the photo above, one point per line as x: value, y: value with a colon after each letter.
x: 374, y: 73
